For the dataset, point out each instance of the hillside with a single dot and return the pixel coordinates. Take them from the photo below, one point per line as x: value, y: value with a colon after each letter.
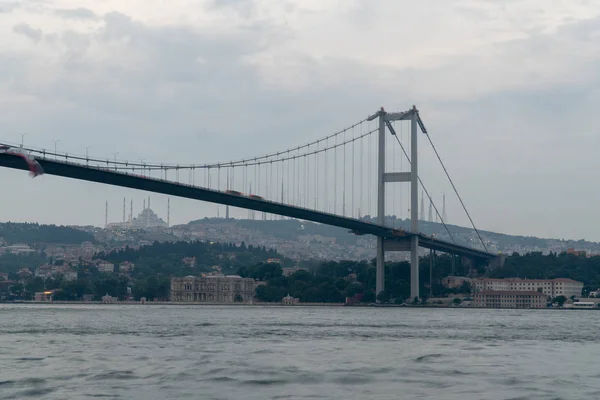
x: 31, y: 233
x: 496, y: 242
x: 166, y: 258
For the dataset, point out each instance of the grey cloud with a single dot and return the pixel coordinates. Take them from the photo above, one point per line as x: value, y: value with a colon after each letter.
x: 475, y: 13
x: 245, y: 8
x: 155, y: 72
x: 25, y: 29
x: 149, y: 97
x: 76, y: 13
x: 77, y: 44
x: 8, y: 6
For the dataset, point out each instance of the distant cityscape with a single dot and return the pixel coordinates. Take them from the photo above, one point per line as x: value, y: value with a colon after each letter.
x: 296, y: 241
x: 328, y: 243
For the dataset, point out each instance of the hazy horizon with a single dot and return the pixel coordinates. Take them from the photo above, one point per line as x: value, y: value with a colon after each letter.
x: 241, y: 219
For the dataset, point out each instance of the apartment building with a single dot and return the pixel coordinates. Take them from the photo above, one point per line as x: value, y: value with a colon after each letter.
x: 550, y: 287
x: 509, y: 299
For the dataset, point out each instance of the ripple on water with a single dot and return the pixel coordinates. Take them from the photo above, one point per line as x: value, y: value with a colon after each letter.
x: 264, y: 382
x: 34, y: 392
x: 119, y: 375
x: 352, y: 379
x: 222, y: 379
x: 429, y: 357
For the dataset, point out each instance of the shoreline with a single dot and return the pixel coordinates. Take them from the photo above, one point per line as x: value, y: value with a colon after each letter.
x: 261, y: 304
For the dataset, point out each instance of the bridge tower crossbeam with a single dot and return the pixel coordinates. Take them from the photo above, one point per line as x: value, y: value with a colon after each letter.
x: 411, y: 177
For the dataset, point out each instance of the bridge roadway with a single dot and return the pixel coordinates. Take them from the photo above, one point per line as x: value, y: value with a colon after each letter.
x: 397, y: 237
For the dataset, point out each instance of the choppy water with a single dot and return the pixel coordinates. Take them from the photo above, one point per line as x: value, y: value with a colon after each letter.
x: 179, y: 352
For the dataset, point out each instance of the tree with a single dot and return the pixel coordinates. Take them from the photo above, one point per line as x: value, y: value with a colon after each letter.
x: 560, y: 300
x: 465, y: 287
x: 456, y: 301
x: 268, y: 293
x: 17, y: 289
x: 35, y: 285
x: 238, y: 298
x: 369, y: 297
x: 383, y: 296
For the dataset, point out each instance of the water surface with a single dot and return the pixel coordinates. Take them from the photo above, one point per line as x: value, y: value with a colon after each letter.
x: 203, y: 352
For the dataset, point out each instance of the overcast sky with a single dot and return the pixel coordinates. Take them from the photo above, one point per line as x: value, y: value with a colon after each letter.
x: 509, y: 90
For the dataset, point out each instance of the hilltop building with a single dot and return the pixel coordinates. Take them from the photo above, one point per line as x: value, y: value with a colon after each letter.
x: 147, y: 219
x: 455, y: 282
x: 105, y: 267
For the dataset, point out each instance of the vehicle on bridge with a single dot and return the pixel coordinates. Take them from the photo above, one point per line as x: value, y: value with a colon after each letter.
x: 235, y: 192
x: 254, y: 196
x: 35, y: 168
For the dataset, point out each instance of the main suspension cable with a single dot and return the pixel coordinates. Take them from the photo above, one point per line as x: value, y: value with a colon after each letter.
x: 420, y: 180
x: 456, y: 191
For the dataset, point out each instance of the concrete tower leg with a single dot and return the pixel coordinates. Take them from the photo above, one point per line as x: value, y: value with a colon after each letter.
x: 414, y: 209
x: 380, y: 263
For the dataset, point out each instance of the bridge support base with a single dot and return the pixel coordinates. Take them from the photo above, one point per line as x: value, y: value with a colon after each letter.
x: 380, y: 266
x: 497, y: 262
x: 414, y: 267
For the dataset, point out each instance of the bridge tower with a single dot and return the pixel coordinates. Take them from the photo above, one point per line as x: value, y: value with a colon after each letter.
x: 383, y: 177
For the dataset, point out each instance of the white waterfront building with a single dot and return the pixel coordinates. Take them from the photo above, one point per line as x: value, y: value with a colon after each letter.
x: 550, y: 287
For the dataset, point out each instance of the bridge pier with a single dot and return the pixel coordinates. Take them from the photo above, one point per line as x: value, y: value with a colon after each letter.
x: 380, y: 262
x: 380, y: 266
x: 414, y: 208
x: 384, y: 120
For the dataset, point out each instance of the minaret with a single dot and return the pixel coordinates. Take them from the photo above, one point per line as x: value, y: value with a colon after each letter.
x: 444, y: 216
x: 422, y: 214
x: 131, y: 212
x: 430, y: 211
x: 123, y: 209
x: 144, y: 204
x: 106, y: 216
x: 168, y: 211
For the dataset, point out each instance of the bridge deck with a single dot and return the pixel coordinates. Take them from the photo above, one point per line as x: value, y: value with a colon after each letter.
x: 99, y: 175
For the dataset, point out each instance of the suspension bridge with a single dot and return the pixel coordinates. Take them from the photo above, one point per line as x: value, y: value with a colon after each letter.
x: 338, y: 180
